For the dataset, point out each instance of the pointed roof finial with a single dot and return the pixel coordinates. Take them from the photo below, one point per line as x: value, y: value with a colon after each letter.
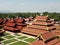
x: 41, y: 14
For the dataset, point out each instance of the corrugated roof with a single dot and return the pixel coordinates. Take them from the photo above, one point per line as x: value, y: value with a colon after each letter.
x: 47, y: 36
x: 53, y: 42
x: 41, y: 27
x: 33, y: 31
x: 42, y: 18
x: 56, y: 32
x: 19, y: 20
x: 2, y: 31
x: 43, y: 23
x: 40, y: 42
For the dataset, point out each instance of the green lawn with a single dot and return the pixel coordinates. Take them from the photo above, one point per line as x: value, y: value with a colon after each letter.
x: 17, y: 34
x: 23, y: 37
x: 16, y: 38
x: 19, y: 43
x: 1, y: 39
x: 9, y: 41
x: 30, y: 40
x: 9, y: 37
x: 6, y: 34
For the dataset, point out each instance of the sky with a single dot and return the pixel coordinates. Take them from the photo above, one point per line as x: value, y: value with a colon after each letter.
x: 30, y: 5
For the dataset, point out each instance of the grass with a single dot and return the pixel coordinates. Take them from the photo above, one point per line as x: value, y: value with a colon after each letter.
x: 23, y: 37
x: 6, y: 33
x: 9, y: 37
x: 1, y: 39
x: 30, y: 40
x: 17, y: 34
x: 19, y: 43
x: 9, y: 41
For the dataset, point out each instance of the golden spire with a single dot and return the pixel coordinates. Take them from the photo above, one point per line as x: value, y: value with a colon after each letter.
x: 46, y: 24
x: 38, y: 35
x: 47, y: 28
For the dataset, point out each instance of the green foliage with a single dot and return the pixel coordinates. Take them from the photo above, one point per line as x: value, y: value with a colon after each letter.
x: 25, y: 15
x: 30, y: 40
x: 19, y: 43
x: 54, y: 15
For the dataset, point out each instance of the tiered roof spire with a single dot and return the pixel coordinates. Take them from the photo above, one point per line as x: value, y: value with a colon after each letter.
x: 39, y: 25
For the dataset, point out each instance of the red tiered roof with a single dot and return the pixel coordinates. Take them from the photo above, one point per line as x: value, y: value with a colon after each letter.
x: 9, y: 28
x: 2, y: 31
x: 53, y: 42
x: 51, y: 37
x: 56, y: 32
x: 47, y: 36
x: 40, y: 42
x: 57, y: 43
x: 20, y: 24
x: 10, y: 24
x: 1, y: 25
x: 44, y: 18
x: 11, y: 21
x: 33, y: 31
x: 42, y: 23
x: 42, y: 27
x: 19, y: 20
x: 19, y: 27
x: 1, y: 20
x: 37, y: 26
x: 14, y: 24
x: 48, y: 39
x: 57, y: 26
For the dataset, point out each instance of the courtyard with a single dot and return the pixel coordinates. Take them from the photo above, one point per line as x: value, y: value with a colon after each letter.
x: 11, y: 38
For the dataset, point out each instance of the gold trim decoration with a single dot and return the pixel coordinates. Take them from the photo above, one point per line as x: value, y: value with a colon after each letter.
x: 47, y: 28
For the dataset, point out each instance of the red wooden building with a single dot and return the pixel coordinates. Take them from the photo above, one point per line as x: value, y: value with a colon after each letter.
x: 15, y: 24
x: 40, y: 25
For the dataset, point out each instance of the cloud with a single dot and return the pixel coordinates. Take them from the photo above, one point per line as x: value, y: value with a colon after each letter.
x: 21, y: 4
x: 30, y: 6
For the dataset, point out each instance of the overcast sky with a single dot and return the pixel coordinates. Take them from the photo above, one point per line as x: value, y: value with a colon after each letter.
x: 30, y: 5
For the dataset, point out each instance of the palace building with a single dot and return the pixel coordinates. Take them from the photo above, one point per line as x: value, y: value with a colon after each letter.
x: 42, y: 27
